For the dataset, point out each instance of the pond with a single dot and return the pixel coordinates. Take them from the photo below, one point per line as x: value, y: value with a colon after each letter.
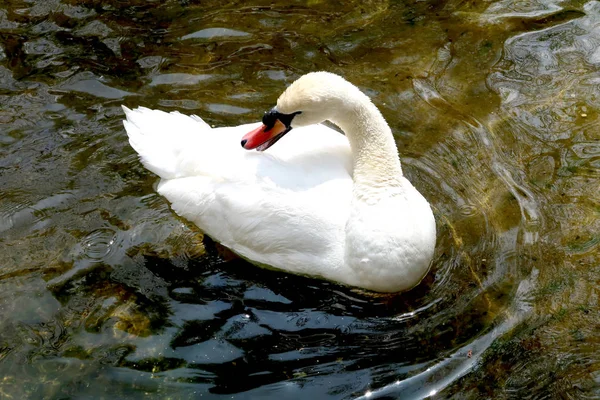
x: 106, y: 293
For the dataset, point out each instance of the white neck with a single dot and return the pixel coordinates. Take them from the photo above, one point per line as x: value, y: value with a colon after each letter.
x: 376, y: 161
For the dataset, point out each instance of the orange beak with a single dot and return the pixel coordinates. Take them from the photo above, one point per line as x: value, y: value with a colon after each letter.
x: 262, y: 138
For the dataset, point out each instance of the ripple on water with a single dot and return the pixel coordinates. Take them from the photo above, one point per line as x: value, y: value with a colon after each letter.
x: 549, y: 111
x: 98, y: 244
x: 42, y: 46
x: 215, y: 33
x: 468, y: 209
x: 176, y: 79
x: 18, y: 214
x: 94, y: 28
x: 587, y: 149
x: 226, y: 109
x: 85, y: 82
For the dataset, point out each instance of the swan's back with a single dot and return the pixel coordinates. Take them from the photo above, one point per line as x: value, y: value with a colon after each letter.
x: 173, y: 145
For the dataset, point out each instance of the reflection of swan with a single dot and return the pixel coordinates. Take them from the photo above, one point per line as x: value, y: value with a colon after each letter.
x: 316, y: 204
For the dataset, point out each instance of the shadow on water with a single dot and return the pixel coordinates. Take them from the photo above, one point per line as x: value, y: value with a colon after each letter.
x: 104, y: 292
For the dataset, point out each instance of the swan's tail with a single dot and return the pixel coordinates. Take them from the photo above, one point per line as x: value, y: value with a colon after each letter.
x: 161, y: 138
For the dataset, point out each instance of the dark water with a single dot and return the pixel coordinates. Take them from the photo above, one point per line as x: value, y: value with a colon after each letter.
x: 105, y: 293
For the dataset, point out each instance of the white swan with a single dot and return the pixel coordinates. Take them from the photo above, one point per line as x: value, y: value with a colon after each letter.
x: 317, y: 204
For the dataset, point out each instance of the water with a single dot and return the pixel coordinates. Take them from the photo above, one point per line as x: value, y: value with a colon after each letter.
x: 105, y: 293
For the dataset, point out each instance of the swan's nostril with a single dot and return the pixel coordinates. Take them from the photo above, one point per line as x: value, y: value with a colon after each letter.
x: 244, y: 141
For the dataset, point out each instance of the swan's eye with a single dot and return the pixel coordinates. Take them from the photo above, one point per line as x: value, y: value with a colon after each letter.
x: 273, y: 115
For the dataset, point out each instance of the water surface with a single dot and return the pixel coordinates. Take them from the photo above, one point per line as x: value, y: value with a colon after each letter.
x: 105, y: 293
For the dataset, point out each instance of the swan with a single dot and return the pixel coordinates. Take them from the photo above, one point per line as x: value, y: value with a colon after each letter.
x: 318, y: 203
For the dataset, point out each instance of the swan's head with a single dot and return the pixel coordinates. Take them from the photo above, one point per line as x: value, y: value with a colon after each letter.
x: 311, y: 99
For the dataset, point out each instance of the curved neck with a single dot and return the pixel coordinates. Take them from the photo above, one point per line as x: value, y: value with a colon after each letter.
x: 376, y: 161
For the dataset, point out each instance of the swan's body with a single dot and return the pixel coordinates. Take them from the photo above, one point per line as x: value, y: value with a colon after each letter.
x: 317, y: 204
